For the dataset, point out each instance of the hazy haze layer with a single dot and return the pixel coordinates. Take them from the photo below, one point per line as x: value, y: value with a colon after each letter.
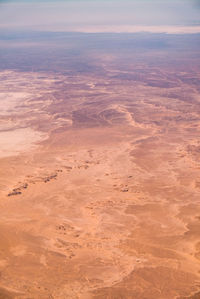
x: 173, y: 16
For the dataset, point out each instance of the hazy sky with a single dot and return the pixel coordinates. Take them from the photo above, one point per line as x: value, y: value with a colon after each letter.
x: 101, y: 15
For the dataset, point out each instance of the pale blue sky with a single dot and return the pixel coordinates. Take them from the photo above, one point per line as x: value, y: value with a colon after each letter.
x: 101, y: 15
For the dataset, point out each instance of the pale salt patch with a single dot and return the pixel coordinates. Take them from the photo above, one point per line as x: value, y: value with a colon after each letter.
x: 20, y: 140
x: 10, y: 100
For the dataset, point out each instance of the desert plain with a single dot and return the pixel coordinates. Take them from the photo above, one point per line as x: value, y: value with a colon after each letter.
x: 100, y: 180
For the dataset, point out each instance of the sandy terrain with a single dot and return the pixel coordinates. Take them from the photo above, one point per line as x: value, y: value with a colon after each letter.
x: 100, y: 185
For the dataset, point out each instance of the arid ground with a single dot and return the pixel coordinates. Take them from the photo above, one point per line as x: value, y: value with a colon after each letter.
x: 100, y: 177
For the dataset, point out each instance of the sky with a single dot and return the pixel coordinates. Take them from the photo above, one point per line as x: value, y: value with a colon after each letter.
x: 172, y: 16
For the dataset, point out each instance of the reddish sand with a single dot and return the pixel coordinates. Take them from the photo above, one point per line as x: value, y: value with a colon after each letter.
x: 99, y: 187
